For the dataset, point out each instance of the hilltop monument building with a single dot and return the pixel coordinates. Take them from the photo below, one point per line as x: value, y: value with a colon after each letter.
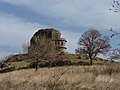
x: 52, y: 34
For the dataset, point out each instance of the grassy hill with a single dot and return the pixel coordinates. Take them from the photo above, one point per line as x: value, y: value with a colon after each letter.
x: 22, y: 61
x: 96, y: 77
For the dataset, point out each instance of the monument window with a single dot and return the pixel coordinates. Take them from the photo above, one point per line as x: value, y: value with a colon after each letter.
x: 58, y: 43
x: 55, y: 43
x: 61, y: 43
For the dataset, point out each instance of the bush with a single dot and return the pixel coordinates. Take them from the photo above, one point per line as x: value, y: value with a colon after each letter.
x: 83, y: 63
x: 2, y: 65
x: 61, y: 63
x: 32, y: 65
x: 7, y: 69
x: 50, y: 64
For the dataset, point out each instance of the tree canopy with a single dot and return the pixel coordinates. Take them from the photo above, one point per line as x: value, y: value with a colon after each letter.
x: 92, y: 43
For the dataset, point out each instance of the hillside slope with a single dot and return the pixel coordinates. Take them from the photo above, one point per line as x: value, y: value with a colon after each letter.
x: 23, y: 61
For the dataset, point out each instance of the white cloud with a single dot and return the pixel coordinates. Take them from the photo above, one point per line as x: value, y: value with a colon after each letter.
x: 14, y: 32
x: 91, y: 14
x: 72, y: 39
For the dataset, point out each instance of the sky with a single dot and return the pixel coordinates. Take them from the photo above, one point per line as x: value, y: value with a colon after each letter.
x: 20, y: 19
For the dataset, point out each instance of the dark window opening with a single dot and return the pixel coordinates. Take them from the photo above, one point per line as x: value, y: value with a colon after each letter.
x: 61, y: 43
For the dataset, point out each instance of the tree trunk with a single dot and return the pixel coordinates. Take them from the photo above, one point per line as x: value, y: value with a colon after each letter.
x: 91, y: 62
x: 36, y: 66
x: 50, y: 64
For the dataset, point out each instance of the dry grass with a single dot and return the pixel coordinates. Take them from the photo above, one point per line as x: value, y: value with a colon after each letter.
x: 104, y: 77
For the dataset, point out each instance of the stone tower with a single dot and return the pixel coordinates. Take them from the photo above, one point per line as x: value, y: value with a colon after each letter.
x: 51, y: 34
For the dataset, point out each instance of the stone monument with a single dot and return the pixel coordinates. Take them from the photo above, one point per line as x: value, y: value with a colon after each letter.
x: 52, y: 34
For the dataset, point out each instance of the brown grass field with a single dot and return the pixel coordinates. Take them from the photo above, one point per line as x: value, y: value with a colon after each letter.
x: 99, y: 77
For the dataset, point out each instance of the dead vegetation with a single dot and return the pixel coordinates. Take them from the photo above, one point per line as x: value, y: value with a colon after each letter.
x: 96, y: 77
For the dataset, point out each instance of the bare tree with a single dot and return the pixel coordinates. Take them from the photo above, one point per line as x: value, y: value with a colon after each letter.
x: 91, y: 43
x: 115, y: 54
x: 114, y: 33
x: 115, y: 6
x: 25, y: 47
x: 43, y: 50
